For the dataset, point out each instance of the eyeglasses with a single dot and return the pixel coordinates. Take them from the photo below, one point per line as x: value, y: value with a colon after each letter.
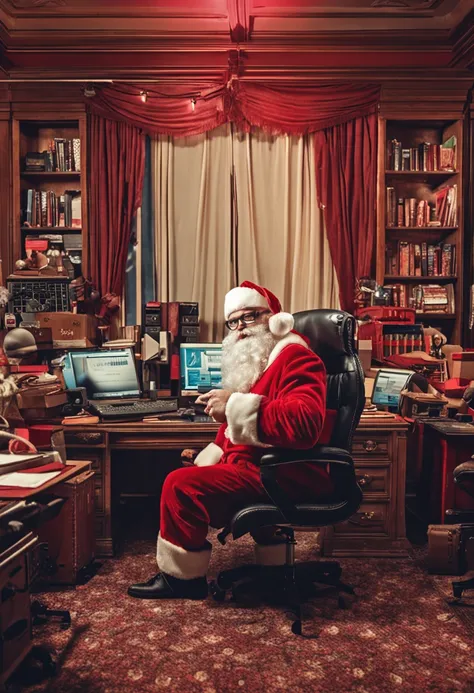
x: 246, y: 319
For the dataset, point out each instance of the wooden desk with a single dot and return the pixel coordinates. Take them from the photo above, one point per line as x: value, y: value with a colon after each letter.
x: 377, y: 529
x: 73, y: 469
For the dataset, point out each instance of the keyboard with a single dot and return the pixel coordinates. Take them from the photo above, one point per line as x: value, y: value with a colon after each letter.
x: 135, y: 409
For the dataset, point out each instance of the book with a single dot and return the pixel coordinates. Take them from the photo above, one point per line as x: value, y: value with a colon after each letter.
x: 14, y: 463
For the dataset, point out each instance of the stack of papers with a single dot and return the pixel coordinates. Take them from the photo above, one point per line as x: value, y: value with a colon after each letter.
x: 26, y: 480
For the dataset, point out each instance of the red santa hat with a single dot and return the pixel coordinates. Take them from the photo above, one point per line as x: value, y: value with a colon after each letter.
x: 250, y: 295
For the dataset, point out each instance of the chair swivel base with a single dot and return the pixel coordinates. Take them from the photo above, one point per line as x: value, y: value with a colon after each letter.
x: 287, y: 585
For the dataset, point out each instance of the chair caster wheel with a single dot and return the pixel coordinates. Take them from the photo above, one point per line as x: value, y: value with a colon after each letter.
x: 342, y: 602
x: 217, y: 593
x: 296, y: 627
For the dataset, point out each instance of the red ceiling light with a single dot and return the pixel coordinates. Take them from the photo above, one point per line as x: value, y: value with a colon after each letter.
x: 144, y: 96
x: 193, y: 104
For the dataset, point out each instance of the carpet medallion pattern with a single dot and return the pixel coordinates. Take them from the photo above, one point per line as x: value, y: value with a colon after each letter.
x: 398, y: 635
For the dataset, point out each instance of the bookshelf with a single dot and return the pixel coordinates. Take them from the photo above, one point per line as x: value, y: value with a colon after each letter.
x: 420, y: 218
x: 50, y: 202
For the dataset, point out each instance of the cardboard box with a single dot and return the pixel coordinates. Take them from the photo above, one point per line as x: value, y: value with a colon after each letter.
x: 364, y: 348
x: 70, y: 331
x: 463, y: 365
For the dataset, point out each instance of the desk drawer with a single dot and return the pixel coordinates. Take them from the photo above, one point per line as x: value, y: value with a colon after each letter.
x: 371, y: 518
x: 91, y: 438
x: 367, y: 447
x: 373, y: 480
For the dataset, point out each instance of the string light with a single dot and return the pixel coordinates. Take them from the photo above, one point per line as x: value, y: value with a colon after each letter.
x: 144, y: 96
x: 193, y: 104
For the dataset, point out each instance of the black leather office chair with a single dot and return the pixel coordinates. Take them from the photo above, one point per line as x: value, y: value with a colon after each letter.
x: 464, y: 477
x: 331, y: 336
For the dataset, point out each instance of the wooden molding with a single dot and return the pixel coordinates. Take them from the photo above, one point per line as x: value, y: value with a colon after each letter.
x: 463, y: 43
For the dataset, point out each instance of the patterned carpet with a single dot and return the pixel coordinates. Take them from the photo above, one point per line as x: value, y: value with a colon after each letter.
x: 399, y: 635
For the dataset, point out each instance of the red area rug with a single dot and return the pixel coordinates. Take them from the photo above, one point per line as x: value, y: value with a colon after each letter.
x: 399, y: 635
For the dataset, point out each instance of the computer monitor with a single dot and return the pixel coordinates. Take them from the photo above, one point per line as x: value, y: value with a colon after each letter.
x: 388, y: 385
x: 105, y: 374
x: 200, y: 366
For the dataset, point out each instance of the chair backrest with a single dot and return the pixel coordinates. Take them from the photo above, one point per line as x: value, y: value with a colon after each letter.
x: 331, y: 336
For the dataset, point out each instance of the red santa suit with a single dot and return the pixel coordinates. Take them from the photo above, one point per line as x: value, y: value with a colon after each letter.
x: 285, y: 408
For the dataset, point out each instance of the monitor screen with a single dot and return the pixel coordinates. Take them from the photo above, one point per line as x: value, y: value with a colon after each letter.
x: 104, y: 374
x: 200, y: 366
x: 388, y: 385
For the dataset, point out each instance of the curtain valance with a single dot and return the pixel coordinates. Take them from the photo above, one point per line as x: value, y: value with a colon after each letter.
x: 180, y: 110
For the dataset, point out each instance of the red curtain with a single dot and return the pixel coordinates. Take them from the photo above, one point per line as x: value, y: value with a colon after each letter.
x: 190, y: 110
x: 300, y: 108
x: 342, y: 114
x: 346, y: 157
x: 116, y: 159
x: 170, y: 110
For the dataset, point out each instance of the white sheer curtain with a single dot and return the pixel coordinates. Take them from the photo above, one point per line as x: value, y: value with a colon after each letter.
x: 269, y: 231
x: 282, y: 242
x: 192, y: 223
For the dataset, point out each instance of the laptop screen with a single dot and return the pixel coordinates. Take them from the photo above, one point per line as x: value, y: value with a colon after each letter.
x: 104, y: 374
x: 200, y: 367
x: 388, y: 385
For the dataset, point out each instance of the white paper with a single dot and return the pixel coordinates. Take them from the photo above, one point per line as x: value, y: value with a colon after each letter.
x: 26, y: 480
x: 6, y: 458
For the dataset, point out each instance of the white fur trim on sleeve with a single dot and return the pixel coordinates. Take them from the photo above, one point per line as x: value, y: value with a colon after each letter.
x: 179, y: 563
x: 211, y: 455
x: 242, y: 419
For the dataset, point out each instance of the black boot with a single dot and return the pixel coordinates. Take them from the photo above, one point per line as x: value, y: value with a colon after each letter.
x: 162, y: 586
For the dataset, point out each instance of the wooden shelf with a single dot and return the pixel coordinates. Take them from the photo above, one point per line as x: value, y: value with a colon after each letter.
x: 421, y: 280
x: 33, y: 132
x: 437, y: 229
x: 417, y: 176
x: 435, y: 316
x: 51, y: 174
x: 52, y: 229
x: 430, y: 126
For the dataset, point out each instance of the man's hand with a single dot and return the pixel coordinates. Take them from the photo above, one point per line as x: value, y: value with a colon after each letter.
x: 215, y: 401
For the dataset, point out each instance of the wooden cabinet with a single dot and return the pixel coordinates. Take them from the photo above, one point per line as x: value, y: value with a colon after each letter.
x: 50, y: 201
x: 420, y: 217
x: 378, y: 527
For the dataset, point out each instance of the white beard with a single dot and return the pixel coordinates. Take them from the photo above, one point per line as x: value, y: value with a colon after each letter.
x: 244, y: 360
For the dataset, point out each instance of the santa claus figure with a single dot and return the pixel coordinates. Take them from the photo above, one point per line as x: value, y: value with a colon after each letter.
x: 274, y: 395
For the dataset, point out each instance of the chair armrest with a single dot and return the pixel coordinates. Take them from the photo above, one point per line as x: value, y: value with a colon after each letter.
x: 320, y: 453
x: 341, y: 471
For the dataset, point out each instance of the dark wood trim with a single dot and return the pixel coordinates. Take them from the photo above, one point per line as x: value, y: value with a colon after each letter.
x: 6, y: 250
x: 468, y: 259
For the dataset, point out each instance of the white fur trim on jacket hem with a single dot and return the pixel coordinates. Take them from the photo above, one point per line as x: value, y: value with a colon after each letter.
x: 270, y: 554
x: 179, y: 563
x: 211, y: 455
x: 242, y: 418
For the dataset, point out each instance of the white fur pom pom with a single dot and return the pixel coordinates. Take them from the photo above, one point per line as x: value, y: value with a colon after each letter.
x: 280, y: 324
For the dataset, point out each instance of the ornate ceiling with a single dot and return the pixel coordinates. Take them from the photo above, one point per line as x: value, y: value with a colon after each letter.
x: 173, y: 39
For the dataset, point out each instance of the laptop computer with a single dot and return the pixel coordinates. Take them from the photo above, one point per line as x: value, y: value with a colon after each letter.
x: 388, y: 386
x: 111, y: 381
x: 110, y: 374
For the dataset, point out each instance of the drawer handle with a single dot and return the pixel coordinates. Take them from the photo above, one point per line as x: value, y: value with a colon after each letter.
x: 364, y: 518
x: 370, y: 445
x: 365, y: 480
